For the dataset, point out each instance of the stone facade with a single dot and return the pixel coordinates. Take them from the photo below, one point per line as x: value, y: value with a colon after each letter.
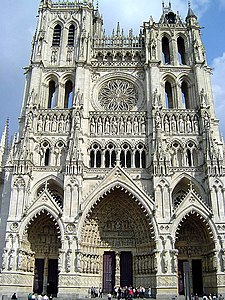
x: 116, y: 176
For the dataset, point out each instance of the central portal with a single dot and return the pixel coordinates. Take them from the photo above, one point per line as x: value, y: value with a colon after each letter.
x: 118, y: 233
x: 120, y: 265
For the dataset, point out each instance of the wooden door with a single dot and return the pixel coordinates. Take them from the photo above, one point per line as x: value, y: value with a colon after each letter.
x: 38, y: 276
x: 52, y: 288
x: 109, y: 265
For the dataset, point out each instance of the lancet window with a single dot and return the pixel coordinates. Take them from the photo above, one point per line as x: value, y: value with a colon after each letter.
x: 181, y: 51
x: 140, y: 156
x: 95, y: 156
x: 71, y: 36
x: 169, y: 99
x: 52, y: 94
x: 68, y: 102
x: 106, y: 158
x: 185, y: 95
x: 166, y: 58
x: 56, y: 36
x: 110, y: 156
x: 125, y: 156
x: 186, y: 156
x: 45, y: 154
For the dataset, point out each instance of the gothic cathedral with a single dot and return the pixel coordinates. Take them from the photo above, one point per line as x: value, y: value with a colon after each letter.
x: 117, y: 173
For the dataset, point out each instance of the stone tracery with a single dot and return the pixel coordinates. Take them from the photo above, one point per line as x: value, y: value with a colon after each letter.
x: 118, y: 95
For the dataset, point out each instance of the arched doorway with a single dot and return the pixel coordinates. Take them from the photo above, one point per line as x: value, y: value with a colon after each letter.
x: 42, y: 237
x: 119, y: 235
x: 196, y: 247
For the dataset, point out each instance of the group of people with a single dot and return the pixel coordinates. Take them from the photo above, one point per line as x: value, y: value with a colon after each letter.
x: 122, y: 293
x: 130, y: 292
x: 209, y: 297
x: 212, y: 297
x: 32, y: 296
x: 96, y: 292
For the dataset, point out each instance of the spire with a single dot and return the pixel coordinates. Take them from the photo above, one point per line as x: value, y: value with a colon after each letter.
x: 190, y: 13
x: 4, y: 144
x: 5, y: 136
x: 118, y: 29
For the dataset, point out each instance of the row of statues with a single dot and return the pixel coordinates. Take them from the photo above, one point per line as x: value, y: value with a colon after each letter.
x: 179, y: 123
x: 146, y: 264
x: 53, y: 123
x: 113, y: 125
x: 22, y: 260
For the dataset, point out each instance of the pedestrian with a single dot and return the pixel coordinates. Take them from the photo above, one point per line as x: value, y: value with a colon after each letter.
x: 196, y: 297
x: 221, y: 297
x: 149, y: 292
x: 100, y: 292
x: 14, y: 296
x: 29, y: 297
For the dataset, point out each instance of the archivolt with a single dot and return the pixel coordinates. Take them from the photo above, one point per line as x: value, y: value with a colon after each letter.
x: 202, y: 224
x: 117, y: 210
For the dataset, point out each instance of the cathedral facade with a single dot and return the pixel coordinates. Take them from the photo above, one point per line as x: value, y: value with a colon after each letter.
x: 117, y: 174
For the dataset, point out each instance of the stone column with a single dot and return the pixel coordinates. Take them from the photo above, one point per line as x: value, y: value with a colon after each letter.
x: 117, y: 273
x: 45, y: 275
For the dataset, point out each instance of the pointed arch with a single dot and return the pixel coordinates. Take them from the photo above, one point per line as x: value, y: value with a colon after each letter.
x: 56, y: 39
x: 166, y: 55
x: 30, y: 217
x: 112, y: 183
x: 204, y: 216
x: 71, y: 36
x: 181, y: 50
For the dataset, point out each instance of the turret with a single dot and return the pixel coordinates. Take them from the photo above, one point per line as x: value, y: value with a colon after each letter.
x: 191, y: 18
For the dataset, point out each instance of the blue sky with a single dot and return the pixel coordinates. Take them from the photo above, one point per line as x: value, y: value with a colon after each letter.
x: 18, y: 22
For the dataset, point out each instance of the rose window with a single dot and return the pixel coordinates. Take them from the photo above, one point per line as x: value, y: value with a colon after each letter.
x: 118, y: 95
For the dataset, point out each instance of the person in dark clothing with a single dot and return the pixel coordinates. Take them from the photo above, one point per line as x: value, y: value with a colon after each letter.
x: 14, y: 296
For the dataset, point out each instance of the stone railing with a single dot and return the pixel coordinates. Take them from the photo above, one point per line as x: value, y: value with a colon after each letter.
x: 118, y: 42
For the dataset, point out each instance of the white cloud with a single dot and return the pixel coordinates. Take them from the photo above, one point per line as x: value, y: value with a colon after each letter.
x: 218, y: 89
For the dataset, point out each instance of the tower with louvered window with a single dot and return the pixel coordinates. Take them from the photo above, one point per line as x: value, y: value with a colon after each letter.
x: 116, y: 176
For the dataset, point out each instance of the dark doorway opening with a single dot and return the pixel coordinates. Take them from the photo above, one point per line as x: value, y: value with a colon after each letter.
x: 197, y: 282
x: 181, y: 290
x: 126, y: 272
x: 38, y: 276
x: 52, y: 287
x: 197, y: 277
x: 109, y: 266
